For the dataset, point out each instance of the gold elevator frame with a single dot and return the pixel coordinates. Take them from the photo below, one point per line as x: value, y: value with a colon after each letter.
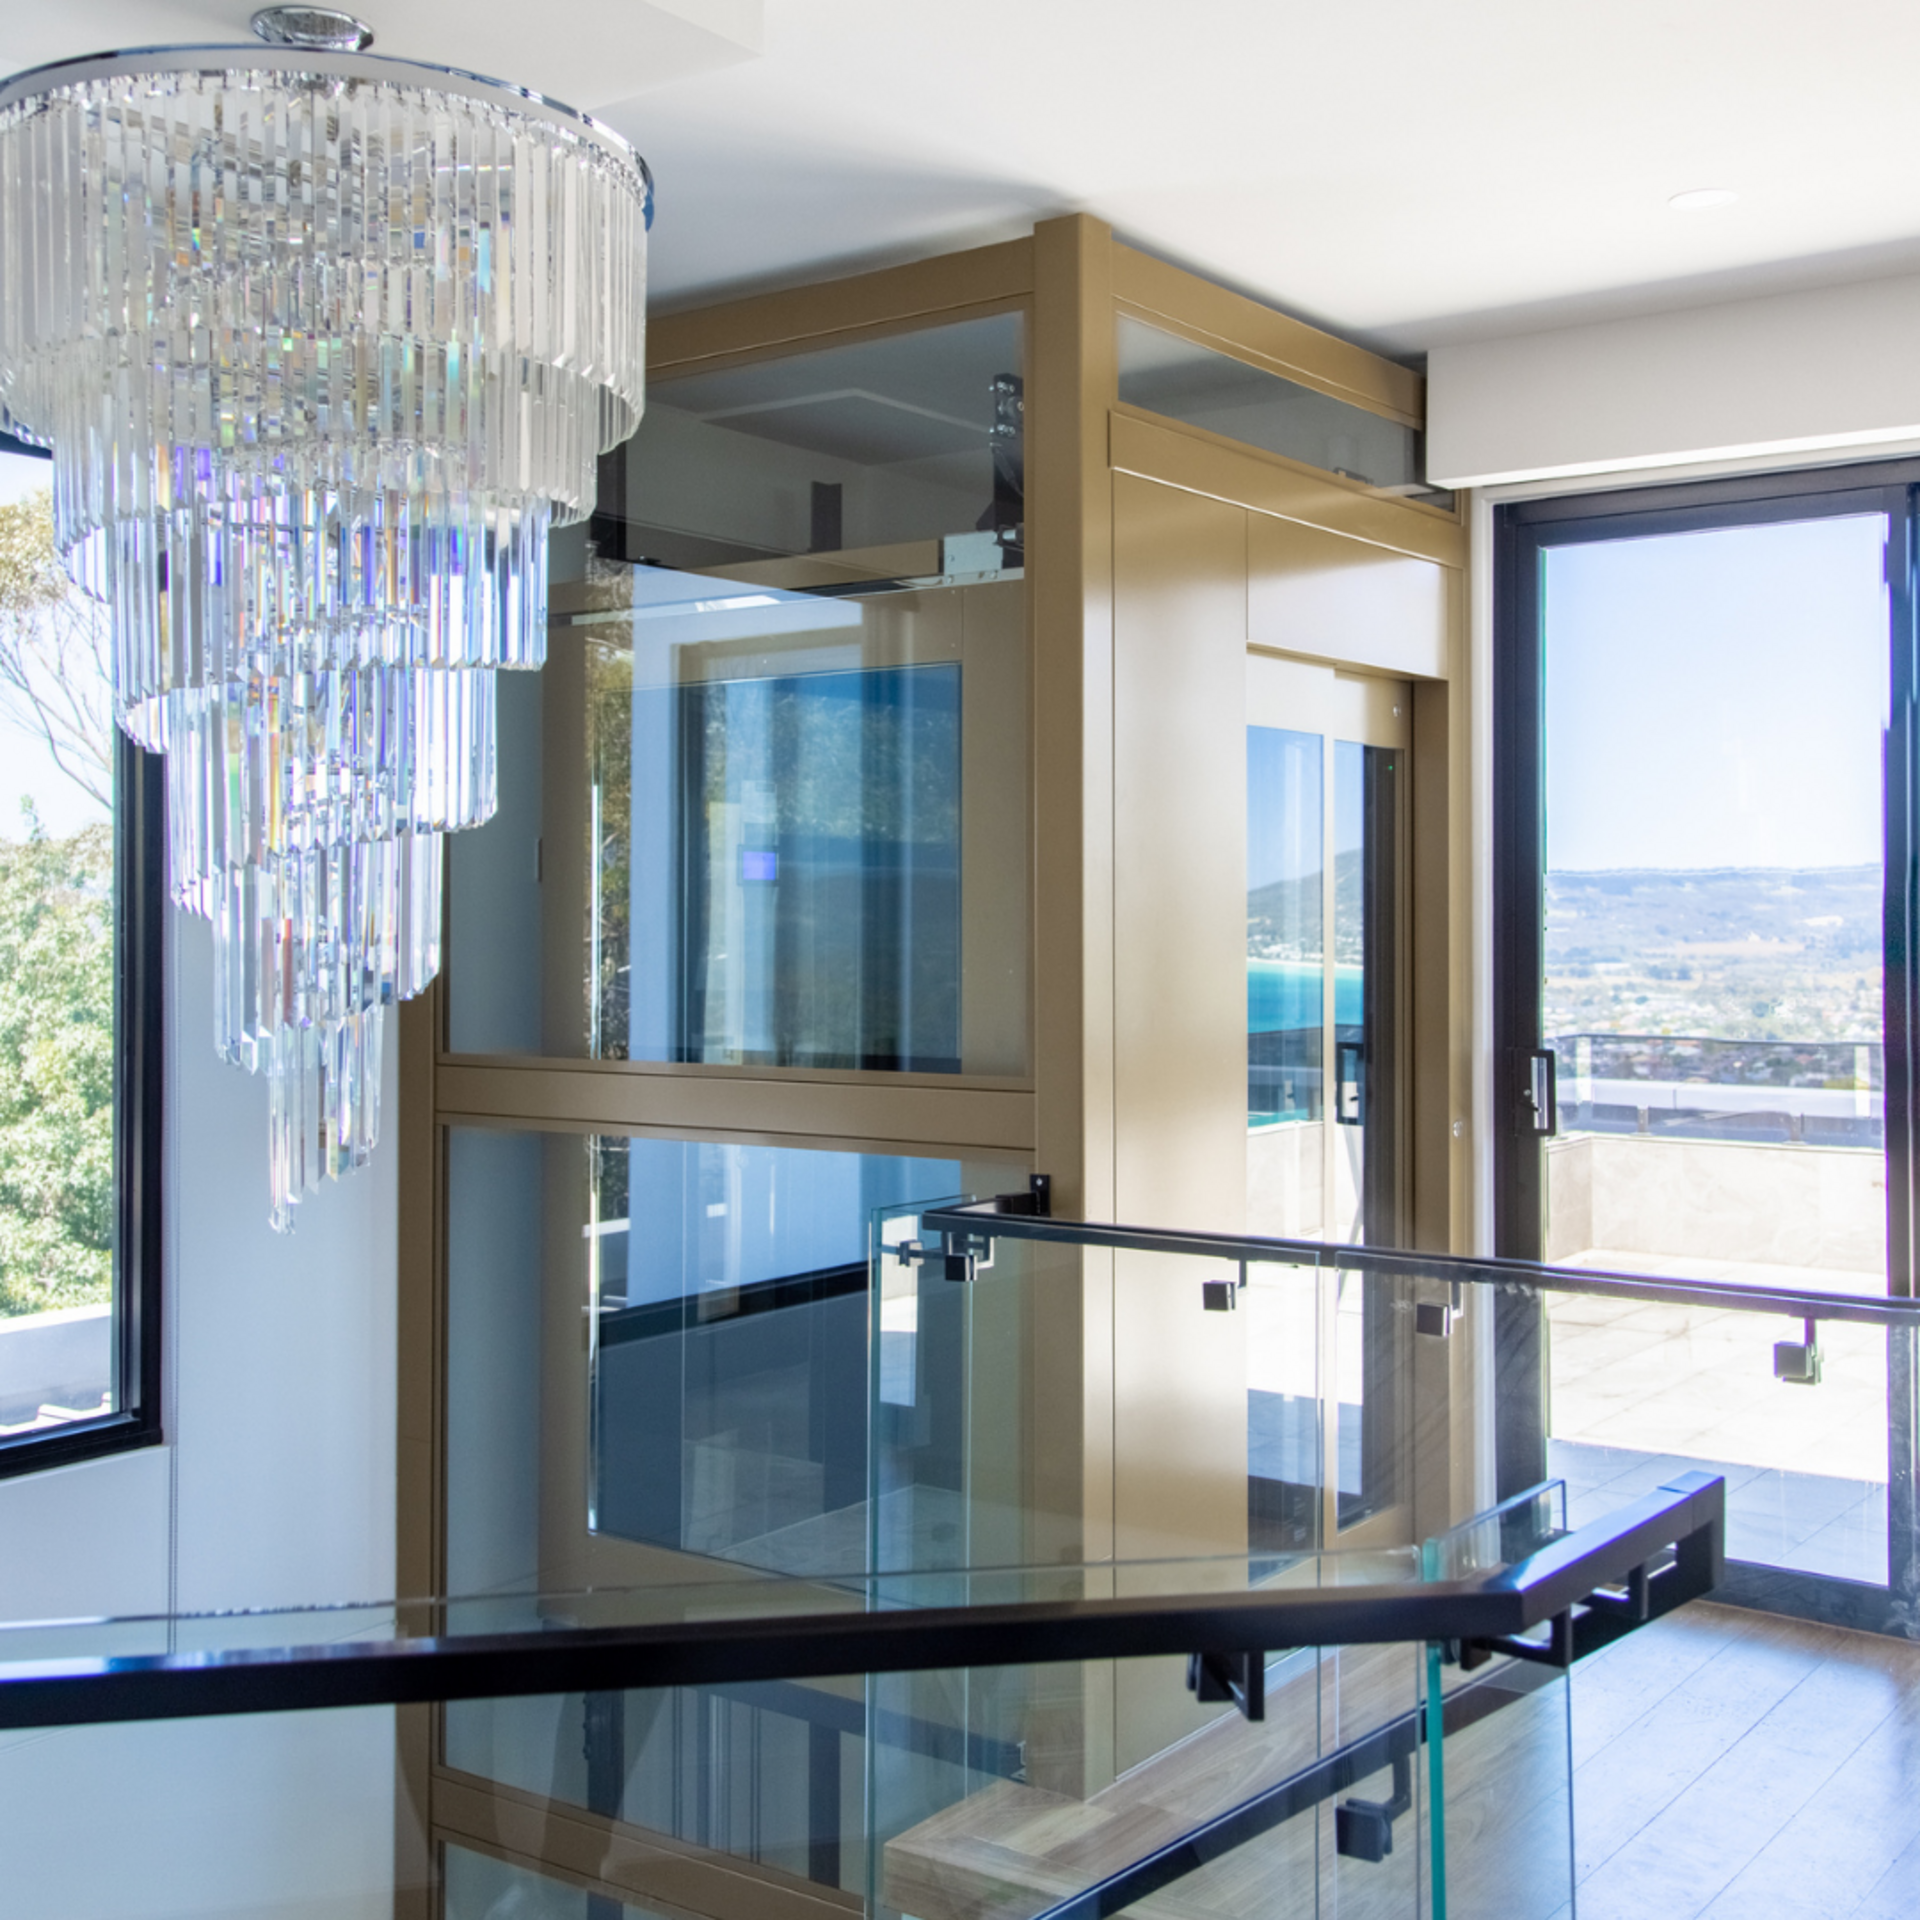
x: 1070, y: 279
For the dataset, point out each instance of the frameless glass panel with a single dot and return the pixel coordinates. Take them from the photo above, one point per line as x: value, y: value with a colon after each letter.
x: 58, y: 1059
x: 993, y: 1789
x: 992, y: 1794
x: 1715, y: 707
x: 785, y: 812
x: 1167, y: 374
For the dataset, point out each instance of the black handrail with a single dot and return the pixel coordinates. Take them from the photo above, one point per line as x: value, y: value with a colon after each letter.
x: 983, y: 1221
x: 1664, y: 1549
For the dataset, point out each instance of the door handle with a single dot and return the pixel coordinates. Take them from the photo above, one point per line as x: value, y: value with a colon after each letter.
x: 1540, y: 1093
x: 1350, y: 1087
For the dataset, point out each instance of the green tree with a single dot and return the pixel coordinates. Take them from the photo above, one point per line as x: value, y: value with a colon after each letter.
x: 56, y: 940
x: 56, y: 1070
x: 55, y: 681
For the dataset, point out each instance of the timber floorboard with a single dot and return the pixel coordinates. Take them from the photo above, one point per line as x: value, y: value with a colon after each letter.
x: 1732, y: 1765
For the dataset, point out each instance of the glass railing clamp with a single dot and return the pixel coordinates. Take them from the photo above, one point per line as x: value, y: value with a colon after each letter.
x: 1363, y: 1829
x: 1237, y: 1677
x: 1797, y: 1362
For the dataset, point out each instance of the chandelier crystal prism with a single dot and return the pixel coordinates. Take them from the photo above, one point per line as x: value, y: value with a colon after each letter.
x: 323, y: 345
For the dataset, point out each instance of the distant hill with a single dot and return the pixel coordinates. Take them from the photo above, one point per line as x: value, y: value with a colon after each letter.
x: 1286, y: 913
x: 1826, y: 914
x: 1731, y: 953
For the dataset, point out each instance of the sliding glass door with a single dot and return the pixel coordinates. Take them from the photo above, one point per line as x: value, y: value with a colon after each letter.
x: 1704, y: 703
x: 1326, y: 1112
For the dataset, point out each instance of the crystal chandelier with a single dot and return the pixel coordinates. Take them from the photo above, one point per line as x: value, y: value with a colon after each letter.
x: 323, y: 345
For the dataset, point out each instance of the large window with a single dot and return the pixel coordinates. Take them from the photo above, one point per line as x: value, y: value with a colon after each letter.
x: 80, y: 1019
x: 1704, y: 920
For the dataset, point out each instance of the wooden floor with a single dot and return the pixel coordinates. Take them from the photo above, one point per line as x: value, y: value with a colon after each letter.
x: 1727, y: 1765
x: 1739, y: 1766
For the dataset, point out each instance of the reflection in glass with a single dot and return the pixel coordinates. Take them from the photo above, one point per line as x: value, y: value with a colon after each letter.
x: 730, y: 1344
x: 811, y: 860
x: 1285, y: 958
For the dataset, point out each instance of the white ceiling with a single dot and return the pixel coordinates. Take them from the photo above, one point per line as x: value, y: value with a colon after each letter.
x: 1406, y: 171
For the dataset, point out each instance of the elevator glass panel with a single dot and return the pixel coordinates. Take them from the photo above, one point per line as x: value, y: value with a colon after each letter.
x: 773, y: 785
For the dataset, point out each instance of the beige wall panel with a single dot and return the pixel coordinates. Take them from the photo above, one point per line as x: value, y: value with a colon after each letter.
x: 1180, y: 1457
x: 1201, y: 462
x: 765, y: 1109
x: 1180, y: 612
x: 1330, y: 597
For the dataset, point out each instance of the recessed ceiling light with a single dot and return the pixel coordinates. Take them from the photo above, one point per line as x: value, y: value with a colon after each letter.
x: 1702, y: 199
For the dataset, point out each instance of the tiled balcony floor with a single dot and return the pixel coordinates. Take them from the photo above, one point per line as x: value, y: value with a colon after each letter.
x: 1641, y: 1391
x: 1808, y: 1521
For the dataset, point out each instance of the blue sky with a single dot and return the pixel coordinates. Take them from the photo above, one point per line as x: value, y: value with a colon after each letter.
x: 1717, y: 699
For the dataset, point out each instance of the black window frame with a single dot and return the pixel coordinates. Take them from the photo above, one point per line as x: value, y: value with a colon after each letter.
x: 139, y: 978
x: 1522, y: 530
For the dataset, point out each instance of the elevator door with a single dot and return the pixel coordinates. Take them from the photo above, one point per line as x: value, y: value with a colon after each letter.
x: 1326, y: 920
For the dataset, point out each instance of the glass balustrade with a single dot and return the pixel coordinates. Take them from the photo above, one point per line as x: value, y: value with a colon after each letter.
x: 993, y: 1747
x: 1384, y: 1394
x: 1255, y: 1632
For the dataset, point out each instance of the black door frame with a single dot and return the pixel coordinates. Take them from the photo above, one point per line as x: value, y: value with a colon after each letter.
x: 1523, y: 530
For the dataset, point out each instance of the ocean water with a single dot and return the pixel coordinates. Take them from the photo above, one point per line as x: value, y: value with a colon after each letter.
x: 1283, y: 996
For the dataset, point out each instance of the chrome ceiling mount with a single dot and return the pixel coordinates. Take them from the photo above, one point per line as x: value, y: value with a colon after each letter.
x: 325, y: 28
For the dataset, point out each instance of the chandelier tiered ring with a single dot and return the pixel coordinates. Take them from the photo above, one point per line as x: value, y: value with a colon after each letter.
x: 324, y: 344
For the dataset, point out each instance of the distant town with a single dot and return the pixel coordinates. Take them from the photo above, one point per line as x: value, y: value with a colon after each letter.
x: 1755, y: 953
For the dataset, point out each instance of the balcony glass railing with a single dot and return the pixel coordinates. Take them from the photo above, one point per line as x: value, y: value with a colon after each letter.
x: 1367, y: 1395
x: 1682, y: 1087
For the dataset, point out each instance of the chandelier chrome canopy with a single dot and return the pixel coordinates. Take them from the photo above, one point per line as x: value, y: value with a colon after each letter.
x: 323, y: 345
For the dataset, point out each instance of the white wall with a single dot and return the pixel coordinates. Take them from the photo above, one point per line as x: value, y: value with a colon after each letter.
x: 1831, y: 370
x: 275, y: 1487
